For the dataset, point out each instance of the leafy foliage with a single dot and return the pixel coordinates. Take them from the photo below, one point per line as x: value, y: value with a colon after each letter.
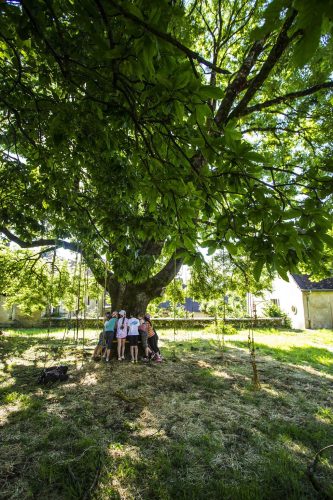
x: 313, y: 20
x: 174, y: 294
x: 40, y: 282
x: 222, y: 283
x: 140, y: 140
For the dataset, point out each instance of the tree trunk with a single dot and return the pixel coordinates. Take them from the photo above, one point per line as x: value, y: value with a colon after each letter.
x: 134, y: 298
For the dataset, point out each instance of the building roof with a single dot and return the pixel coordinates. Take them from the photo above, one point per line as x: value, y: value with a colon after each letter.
x: 304, y: 283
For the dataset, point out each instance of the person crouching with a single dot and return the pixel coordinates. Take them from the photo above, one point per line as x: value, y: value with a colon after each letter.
x: 152, y: 339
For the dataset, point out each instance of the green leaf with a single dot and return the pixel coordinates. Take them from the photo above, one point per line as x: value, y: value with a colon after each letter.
x: 328, y: 239
x: 99, y: 113
x: 182, y: 79
x: 272, y: 18
x: 209, y: 92
x: 202, y: 111
x: 132, y: 8
x: 257, y: 270
x: 179, y: 109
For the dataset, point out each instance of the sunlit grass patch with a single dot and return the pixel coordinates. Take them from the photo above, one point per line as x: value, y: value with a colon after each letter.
x: 325, y: 415
x: 317, y: 357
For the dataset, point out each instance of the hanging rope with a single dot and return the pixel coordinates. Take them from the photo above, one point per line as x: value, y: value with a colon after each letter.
x: 174, y: 309
x: 311, y: 470
x: 50, y: 302
x: 217, y: 333
x: 224, y: 304
x: 75, y: 288
x: 85, y: 297
x: 105, y: 283
x: 78, y: 304
x: 251, y: 344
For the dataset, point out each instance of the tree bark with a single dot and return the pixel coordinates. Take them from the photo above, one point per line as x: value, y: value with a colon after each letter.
x: 134, y: 298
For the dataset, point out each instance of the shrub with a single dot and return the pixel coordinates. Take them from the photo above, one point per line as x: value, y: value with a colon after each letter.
x: 222, y: 327
x: 272, y: 310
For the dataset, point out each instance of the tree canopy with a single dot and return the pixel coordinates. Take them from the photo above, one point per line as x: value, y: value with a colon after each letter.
x: 141, y: 131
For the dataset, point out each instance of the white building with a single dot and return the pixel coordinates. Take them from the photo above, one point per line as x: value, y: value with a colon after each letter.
x: 309, y: 304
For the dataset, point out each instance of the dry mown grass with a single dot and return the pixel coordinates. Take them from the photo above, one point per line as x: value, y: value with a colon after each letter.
x: 191, y: 427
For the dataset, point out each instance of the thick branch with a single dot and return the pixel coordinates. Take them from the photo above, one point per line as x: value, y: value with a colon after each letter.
x: 285, y: 98
x: 158, y: 282
x: 239, y: 82
x: 106, y: 23
x: 74, y: 247
x: 168, y: 38
x: 273, y: 57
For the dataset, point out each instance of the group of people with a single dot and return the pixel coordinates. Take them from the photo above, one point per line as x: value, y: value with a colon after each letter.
x: 118, y: 326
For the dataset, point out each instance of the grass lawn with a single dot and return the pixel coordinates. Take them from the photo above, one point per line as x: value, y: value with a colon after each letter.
x: 189, y: 428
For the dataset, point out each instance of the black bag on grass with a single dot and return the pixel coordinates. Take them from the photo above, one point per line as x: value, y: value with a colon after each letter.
x: 53, y: 374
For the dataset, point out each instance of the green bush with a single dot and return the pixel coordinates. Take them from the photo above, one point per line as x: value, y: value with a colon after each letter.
x: 221, y: 328
x: 272, y: 310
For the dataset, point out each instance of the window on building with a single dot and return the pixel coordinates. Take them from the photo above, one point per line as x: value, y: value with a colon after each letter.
x: 276, y: 302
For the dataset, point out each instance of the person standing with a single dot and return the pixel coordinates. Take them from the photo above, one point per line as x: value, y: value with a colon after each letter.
x: 109, y: 328
x: 122, y: 327
x: 143, y: 330
x: 133, y: 337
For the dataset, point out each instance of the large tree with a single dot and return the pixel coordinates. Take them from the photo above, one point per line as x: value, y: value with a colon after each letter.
x: 135, y: 132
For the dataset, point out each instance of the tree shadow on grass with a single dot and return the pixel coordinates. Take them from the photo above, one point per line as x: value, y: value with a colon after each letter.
x: 171, y: 347
x: 63, y: 460
x: 23, y: 359
x: 202, y: 445
x: 43, y: 348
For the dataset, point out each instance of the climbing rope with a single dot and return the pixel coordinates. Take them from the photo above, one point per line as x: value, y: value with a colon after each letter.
x: 251, y: 344
x: 78, y: 300
x: 174, y: 309
x: 85, y: 297
x: 50, y: 303
x: 325, y: 495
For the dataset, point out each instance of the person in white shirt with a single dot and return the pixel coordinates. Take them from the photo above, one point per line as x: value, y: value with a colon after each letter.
x: 122, y: 327
x: 133, y: 337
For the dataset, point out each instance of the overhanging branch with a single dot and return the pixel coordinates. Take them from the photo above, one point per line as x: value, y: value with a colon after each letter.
x: 285, y: 98
x: 169, y: 271
x: 191, y: 54
x: 280, y: 45
x: 98, y: 268
x: 239, y: 82
x: 74, y: 247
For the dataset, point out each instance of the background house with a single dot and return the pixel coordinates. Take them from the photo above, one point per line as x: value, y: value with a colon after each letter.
x: 13, y: 316
x: 308, y: 303
x: 190, y: 305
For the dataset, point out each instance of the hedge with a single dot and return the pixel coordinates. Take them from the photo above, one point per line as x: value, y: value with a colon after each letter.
x: 179, y: 323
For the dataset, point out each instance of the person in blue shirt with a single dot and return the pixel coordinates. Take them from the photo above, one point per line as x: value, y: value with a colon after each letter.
x: 109, y: 329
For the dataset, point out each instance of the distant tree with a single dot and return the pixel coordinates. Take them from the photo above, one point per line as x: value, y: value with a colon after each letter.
x: 37, y: 281
x: 222, y: 283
